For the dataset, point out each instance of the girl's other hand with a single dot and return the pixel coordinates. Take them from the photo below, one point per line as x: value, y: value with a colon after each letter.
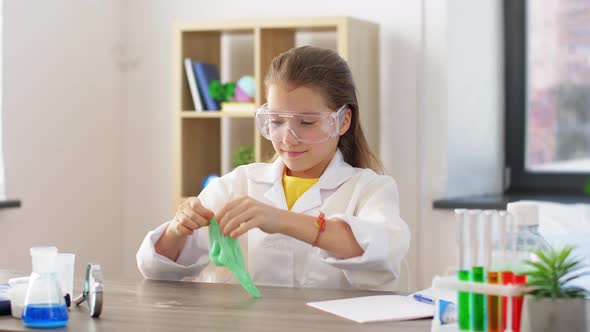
x: 244, y: 213
x: 190, y: 216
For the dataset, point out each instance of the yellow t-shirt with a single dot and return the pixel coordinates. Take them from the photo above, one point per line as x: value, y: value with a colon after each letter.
x: 295, y: 187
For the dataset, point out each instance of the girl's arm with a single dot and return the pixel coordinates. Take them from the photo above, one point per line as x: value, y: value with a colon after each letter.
x: 190, y: 261
x: 337, y: 238
x: 190, y: 216
x: 245, y: 213
x: 380, y: 231
x: 170, y: 244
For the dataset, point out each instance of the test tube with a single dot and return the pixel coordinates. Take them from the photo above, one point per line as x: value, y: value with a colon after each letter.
x: 519, y: 279
x: 488, y: 219
x: 507, y: 275
x: 519, y: 214
x: 463, y: 298
x: 501, y: 233
x: 494, y: 303
x: 464, y: 239
x: 474, y: 236
x: 478, y: 301
x: 478, y: 221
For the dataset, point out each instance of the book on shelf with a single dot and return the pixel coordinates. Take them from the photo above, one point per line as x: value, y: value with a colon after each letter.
x: 192, y: 84
x: 205, y: 73
x: 233, y: 106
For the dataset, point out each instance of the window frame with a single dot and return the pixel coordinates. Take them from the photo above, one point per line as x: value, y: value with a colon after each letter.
x: 517, y: 178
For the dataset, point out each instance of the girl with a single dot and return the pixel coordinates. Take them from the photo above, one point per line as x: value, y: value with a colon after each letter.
x: 318, y: 216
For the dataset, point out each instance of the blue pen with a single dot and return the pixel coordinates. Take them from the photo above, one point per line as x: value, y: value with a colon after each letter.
x: 422, y: 298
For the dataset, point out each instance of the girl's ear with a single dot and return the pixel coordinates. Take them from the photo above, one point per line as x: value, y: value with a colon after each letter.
x: 346, y: 123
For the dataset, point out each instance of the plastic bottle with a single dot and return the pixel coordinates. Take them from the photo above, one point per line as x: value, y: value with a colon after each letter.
x: 527, y: 241
x: 44, y: 303
x: 527, y: 237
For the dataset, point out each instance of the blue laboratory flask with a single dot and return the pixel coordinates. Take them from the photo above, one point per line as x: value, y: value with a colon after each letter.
x: 45, y: 306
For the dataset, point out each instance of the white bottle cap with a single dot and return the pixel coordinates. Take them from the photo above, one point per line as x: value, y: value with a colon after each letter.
x: 525, y: 213
x: 43, y: 259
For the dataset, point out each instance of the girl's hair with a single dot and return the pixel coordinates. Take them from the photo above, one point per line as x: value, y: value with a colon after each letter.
x: 325, y: 70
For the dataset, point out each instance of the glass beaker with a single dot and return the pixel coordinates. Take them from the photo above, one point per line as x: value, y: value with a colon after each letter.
x: 44, y: 303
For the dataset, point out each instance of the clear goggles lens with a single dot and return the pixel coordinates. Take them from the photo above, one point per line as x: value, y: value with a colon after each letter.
x: 307, y: 128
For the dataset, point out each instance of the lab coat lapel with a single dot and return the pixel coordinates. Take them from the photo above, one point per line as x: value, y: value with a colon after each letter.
x: 335, y: 174
x: 276, y: 195
x: 272, y: 176
x: 310, y: 199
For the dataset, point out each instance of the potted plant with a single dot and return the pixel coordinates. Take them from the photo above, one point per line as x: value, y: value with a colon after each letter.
x: 552, y: 303
x: 243, y: 155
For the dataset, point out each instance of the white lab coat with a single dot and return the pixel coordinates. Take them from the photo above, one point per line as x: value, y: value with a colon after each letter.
x: 368, y: 202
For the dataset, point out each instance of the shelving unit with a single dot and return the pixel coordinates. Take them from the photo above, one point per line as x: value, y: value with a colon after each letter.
x: 203, y: 142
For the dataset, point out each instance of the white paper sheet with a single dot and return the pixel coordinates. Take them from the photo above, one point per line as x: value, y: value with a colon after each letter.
x: 376, y: 308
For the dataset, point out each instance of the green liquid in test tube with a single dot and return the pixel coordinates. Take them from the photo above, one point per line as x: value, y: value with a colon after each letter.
x: 481, y: 231
x: 463, y: 305
x: 478, y: 301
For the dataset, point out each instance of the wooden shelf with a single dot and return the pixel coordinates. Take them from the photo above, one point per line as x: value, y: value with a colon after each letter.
x: 203, y: 142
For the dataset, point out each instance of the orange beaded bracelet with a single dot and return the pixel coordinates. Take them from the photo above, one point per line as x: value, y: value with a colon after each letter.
x: 321, y: 225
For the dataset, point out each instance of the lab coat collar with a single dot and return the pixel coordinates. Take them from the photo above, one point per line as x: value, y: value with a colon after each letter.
x: 335, y: 174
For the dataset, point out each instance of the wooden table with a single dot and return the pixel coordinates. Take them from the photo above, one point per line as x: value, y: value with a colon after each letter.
x: 148, y: 305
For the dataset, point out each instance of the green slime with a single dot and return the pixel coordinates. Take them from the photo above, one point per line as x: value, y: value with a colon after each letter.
x: 226, y: 251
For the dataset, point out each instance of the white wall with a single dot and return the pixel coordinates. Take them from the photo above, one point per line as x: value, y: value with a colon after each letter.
x: 432, y: 226
x: 475, y: 89
x: 460, y: 122
x: 62, y: 131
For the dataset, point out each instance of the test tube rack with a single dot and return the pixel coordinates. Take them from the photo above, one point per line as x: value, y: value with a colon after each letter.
x: 453, y: 283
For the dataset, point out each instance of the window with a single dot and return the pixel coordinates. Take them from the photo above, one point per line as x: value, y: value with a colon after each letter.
x: 547, y: 68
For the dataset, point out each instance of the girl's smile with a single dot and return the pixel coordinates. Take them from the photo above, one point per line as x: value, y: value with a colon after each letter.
x: 293, y: 154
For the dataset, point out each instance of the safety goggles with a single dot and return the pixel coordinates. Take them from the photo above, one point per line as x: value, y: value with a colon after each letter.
x: 307, y: 128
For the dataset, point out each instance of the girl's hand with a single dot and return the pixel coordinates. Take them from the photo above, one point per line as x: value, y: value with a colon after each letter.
x: 244, y: 213
x: 190, y: 216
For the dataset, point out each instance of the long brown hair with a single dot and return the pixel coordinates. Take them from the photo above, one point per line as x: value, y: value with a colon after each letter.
x: 325, y: 70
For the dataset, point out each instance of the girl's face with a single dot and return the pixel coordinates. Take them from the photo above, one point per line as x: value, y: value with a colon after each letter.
x: 303, y: 160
